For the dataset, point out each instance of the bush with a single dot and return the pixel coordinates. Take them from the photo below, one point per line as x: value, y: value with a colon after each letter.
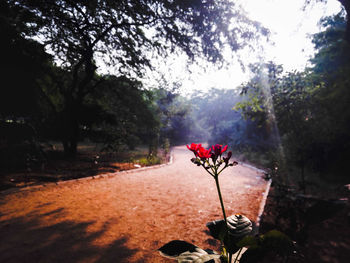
x: 150, y: 160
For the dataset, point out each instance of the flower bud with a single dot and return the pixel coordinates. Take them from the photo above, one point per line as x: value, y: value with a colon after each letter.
x: 227, y: 158
x: 239, y: 226
x: 196, y: 161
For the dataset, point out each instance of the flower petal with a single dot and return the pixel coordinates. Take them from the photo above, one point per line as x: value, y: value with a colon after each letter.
x: 224, y: 149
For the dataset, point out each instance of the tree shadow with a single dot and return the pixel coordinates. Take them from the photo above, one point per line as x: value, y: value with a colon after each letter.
x: 28, y: 240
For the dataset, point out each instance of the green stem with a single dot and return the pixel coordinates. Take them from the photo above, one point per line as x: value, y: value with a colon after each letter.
x: 208, y: 171
x: 211, y: 167
x: 222, y: 170
x: 220, y: 197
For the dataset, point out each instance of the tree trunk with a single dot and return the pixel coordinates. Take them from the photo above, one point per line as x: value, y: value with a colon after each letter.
x: 70, y: 148
x: 70, y: 130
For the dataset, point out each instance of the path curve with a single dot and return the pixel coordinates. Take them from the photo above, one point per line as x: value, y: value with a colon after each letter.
x: 126, y: 217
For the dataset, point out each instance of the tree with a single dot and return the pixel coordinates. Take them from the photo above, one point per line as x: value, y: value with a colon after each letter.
x: 172, y: 112
x: 123, y: 33
x: 23, y: 62
x: 331, y: 71
x: 214, y: 119
x: 117, y: 114
x: 311, y: 107
x: 259, y: 103
x: 346, y: 5
x: 282, y: 105
x: 120, y: 113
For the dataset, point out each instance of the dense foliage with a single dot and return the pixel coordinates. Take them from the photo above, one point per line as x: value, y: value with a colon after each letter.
x: 308, y: 111
x: 124, y: 34
x: 70, y: 100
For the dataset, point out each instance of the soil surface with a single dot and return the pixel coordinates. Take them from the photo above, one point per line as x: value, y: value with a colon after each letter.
x: 124, y: 217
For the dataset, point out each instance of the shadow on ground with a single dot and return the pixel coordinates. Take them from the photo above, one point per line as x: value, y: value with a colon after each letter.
x: 25, y: 239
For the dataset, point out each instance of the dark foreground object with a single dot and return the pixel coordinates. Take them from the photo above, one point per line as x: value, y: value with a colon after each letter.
x: 320, y: 227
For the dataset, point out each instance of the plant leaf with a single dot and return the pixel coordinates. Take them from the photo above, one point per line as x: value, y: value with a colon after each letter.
x: 278, y: 242
x: 216, y: 228
x: 237, y: 228
x: 247, y: 241
x: 184, y: 252
x: 175, y: 247
x: 274, y: 242
x: 230, y: 243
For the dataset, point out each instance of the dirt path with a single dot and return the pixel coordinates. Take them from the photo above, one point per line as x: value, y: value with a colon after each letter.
x: 124, y: 218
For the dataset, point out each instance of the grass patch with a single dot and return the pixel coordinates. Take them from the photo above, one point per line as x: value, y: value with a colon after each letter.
x: 149, y: 160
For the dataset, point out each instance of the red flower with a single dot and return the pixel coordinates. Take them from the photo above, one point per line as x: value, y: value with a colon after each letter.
x: 218, y: 150
x: 194, y: 147
x: 203, y: 153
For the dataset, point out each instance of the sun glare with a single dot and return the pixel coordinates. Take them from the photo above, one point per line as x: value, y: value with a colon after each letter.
x: 291, y: 29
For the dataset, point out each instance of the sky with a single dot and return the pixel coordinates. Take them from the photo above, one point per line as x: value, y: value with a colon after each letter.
x: 290, y: 27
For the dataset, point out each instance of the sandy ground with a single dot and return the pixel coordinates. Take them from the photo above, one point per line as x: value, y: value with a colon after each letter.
x: 124, y: 218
